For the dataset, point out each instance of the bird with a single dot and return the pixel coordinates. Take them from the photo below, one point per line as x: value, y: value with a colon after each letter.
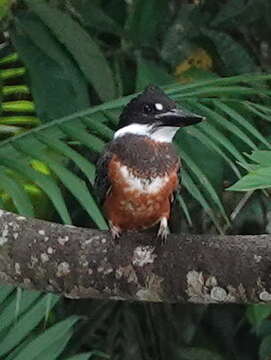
x: 137, y: 175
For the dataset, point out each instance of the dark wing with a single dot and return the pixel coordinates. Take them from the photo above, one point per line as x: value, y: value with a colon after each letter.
x: 102, y: 183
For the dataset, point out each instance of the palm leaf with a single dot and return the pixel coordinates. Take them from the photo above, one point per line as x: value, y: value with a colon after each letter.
x: 41, y: 346
x: 71, y: 181
x: 12, y: 311
x: 79, y: 43
x: 18, y: 194
x: 242, y: 122
x: 185, y: 209
x: 203, y: 180
x: 208, y: 141
x: 23, y: 311
x: 259, y: 174
x: 212, y: 132
x: 197, y: 194
x: 87, y: 168
x: 5, y: 292
x: 226, y: 81
x: 46, y: 183
x: 30, y: 314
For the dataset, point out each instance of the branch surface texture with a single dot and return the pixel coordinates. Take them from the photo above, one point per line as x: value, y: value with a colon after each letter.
x: 85, y: 263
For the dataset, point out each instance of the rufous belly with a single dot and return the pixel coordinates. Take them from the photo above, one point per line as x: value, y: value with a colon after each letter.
x: 136, y: 203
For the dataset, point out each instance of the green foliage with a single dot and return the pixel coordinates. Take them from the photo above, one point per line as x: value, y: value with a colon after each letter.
x: 257, y: 313
x: 55, y: 80
x: 141, y: 31
x: 148, y: 72
x: 259, y: 174
x: 51, y: 343
x: 177, y: 44
x: 18, y: 115
x: 17, y: 112
x: 80, y: 45
x: 4, y: 7
x: 30, y: 312
x: 25, y: 332
x: 234, y: 56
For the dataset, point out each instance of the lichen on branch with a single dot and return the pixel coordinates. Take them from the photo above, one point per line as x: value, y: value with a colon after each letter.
x: 86, y: 263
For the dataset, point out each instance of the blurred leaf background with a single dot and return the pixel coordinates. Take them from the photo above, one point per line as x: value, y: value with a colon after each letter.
x: 66, y: 69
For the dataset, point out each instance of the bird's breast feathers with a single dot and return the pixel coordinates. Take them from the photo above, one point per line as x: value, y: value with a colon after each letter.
x: 135, y: 201
x: 149, y: 185
x: 142, y: 176
x: 127, y: 180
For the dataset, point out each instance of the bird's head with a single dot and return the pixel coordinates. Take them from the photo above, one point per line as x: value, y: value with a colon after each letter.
x: 155, y: 115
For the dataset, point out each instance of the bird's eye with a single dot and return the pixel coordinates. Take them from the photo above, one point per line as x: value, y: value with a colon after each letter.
x: 147, y: 108
x: 158, y: 106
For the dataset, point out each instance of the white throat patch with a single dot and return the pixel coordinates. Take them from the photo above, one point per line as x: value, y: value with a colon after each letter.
x: 161, y: 134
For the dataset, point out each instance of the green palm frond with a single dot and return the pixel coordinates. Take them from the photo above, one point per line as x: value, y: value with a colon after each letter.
x: 17, y: 113
x: 27, y: 333
x: 52, y: 144
x: 259, y: 172
x: 20, y: 315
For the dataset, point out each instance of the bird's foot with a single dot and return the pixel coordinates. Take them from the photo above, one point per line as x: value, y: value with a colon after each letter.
x: 163, y: 230
x: 115, y: 231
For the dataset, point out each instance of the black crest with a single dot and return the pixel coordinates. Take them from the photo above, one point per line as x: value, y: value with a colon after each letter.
x: 142, y: 108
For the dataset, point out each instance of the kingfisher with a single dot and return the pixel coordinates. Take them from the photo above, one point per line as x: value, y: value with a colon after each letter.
x: 137, y: 175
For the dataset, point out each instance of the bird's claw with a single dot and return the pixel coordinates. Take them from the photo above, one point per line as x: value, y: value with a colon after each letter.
x: 163, y: 230
x: 115, y: 231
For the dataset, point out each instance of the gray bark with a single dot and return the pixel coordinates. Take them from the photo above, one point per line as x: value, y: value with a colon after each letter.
x: 86, y: 263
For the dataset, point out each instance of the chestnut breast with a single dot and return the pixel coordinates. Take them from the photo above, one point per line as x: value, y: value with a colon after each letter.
x: 140, y: 194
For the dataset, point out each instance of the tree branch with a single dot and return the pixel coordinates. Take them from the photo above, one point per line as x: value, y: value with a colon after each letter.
x: 85, y: 263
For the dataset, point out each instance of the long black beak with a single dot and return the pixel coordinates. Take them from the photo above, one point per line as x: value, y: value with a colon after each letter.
x: 178, y: 118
